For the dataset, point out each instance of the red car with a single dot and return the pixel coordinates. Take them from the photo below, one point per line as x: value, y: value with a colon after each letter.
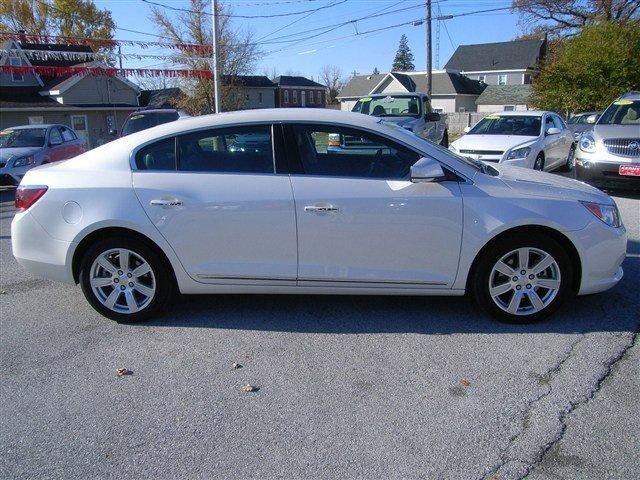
x: 27, y: 146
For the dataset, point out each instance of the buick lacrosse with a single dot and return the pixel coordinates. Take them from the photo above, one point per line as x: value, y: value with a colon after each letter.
x: 259, y: 202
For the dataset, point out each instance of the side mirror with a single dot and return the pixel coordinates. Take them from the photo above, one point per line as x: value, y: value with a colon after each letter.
x: 432, y: 117
x: 553, y: 131
x: 592, y: 118
x: 467, y: 129
x: 426, y: 170
x: 113, y: 132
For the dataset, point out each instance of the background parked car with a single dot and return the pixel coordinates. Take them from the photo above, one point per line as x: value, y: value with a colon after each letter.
x: 410, y: 111
x: 27, y: 146
x: 530, y: 139
x: 143, y: 119
x: 582, y: 122
x: 609, y: 155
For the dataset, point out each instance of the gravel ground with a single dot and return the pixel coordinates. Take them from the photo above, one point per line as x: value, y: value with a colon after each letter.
x: 370, y: 387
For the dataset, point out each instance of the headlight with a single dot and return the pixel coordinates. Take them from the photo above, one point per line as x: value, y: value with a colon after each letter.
x: 607, y: 213
x: 519, y: 153
x: 23, y: 161
x: 587, y: 143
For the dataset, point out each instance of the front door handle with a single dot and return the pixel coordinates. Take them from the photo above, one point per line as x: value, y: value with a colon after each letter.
x: 166, y: 203
x: 320, y: 208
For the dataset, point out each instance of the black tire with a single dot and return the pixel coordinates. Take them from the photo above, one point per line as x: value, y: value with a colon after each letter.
x: 539, y: 163
x: 445, y: 139
x: 480, y: 281
x: 571, y: 159
x: 165, y: 288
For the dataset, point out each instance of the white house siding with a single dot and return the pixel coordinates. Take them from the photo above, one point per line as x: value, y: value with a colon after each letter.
x: 6, y: 79
x: 498, y: 108
x: 466, y: 102
x: 444, y: 103
x: 390, y: 85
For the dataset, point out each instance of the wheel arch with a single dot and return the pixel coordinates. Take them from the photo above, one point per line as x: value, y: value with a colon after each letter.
x: 556, y: 235
x: 107, y: 232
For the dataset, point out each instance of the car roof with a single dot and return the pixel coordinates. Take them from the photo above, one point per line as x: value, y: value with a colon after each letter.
x: 632, y: 95
x: 266, y: 115
x: 153, y: 110
x: 37, y: 125
x: 395, y: 94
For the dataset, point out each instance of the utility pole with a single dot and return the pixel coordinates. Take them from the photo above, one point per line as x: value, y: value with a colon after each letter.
x: 427, y: 7
x: 120, y: 56
x: 216, y: 71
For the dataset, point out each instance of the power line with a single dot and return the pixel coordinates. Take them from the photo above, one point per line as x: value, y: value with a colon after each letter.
x: 229, y: 15
x: 291, y: 23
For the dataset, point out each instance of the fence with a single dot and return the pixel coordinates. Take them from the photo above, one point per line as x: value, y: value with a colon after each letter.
x: 457, y: 122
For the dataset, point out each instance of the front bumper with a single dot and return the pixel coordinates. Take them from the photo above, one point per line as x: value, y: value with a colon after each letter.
x: 604, y: 174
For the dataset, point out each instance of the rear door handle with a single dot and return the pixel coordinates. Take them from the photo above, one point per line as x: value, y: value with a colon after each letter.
x: 166, y: 203
x: 320, y: 208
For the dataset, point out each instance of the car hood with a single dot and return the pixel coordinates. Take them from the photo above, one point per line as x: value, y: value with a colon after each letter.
x: 7, y: 153
x: 492, y: 142
x: 543, y: 184
x: 602, y: 132
x: 401, y: 121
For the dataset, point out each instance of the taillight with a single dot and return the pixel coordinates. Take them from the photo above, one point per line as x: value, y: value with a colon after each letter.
x: 28, y: 195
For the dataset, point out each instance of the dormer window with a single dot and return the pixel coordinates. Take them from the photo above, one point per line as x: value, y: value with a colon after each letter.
x: 16, y: 62
x: 502, y: 80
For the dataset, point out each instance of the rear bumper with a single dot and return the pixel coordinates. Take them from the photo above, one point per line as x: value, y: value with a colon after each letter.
x: 38, y: 252
x: 7, y: 180
x: 604, y: 174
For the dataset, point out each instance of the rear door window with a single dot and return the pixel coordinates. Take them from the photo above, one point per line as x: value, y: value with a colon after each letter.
x: 243, y: 149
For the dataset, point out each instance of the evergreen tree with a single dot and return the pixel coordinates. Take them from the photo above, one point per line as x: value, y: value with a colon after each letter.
x: 376, y: 71
x: 404, y: 58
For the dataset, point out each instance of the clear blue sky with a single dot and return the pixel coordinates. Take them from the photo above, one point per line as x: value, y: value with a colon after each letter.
x: 339, y: 47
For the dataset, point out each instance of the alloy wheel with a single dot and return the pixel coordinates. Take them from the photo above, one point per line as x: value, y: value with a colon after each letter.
x: 524, y: 281
x: 122, y: 280
x: 539, y: 164
x: 571, y: 159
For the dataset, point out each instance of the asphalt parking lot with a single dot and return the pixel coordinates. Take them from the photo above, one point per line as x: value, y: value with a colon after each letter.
x: 368, y: 387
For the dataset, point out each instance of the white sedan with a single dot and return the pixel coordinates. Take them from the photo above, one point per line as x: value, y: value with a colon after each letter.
x: 257, y: 202
x: 530, y: 139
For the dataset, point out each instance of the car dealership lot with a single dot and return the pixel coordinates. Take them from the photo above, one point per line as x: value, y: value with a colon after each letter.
x: 373, y: 387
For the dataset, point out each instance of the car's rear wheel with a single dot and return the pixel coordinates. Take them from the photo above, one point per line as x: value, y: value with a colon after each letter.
x: 522, y: 278
x: 125, y: 280
x: 539, y: 163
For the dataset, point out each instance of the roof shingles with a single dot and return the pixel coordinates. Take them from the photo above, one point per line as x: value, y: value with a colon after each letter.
x: 482, y: 57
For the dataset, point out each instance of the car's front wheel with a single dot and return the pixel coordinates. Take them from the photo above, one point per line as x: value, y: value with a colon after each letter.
x: 523, y: 278
x: 539, y: 163
x: 125, y: 280
x: 571, y: 159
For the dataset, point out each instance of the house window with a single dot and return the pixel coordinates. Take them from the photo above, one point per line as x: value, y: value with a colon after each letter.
x: 526, y: 79
x: 502, y: 80
x: 259, y: 97
x: 295, y: 96
x: 286, y: 96
x: 509, y: 108
x: 311, y: 97
x: 462, y: 109
x: 16, y: 62
x: 482, y: 78
x: 37, y: 120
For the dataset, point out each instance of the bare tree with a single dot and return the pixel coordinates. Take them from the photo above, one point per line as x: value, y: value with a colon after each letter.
x: 237, y: 55
x: 563, y: 18
x: 331, y: 77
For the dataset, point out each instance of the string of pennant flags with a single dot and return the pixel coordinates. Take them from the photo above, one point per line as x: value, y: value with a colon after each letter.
x: 105, y: 42
x: 44, y: 55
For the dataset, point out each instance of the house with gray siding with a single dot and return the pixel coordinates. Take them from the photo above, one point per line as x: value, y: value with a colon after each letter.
x: 508, y: 68
x: 452, y: 92
x: 91, y: 105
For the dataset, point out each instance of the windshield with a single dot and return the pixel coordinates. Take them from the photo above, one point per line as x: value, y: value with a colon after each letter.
x: 621, y: 112
x: 142, y: 121
x: 389, y: 106
x: 521, y: 125
x: 23, y: 137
